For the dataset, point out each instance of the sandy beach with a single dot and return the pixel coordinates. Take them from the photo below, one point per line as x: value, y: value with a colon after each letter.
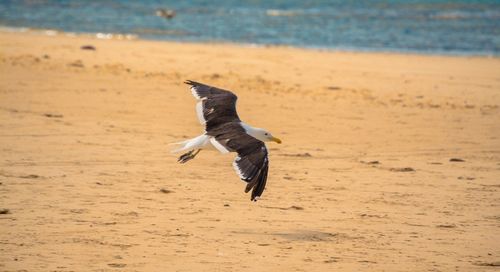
x: 389, y: 162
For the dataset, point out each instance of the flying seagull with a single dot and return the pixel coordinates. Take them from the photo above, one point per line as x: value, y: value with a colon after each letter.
x: 224, y: 131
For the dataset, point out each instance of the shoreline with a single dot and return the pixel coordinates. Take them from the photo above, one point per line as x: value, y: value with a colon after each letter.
x: 131, y: 36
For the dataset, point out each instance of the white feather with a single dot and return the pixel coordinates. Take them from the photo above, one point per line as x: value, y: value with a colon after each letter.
x: 195, y: 93
x: 199, y: 112
x: 196, y: 143
x: 237, y: 168
x: 218, y: 146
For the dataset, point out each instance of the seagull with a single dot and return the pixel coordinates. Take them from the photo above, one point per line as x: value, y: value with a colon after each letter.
x: 225, y: 132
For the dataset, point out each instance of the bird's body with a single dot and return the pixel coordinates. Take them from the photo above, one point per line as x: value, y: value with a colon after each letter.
x: 225, y: 132
x: 208, y: 142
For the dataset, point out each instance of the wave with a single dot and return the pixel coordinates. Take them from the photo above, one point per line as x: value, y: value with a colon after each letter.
x: 462, y: 15
x: 277, y: 12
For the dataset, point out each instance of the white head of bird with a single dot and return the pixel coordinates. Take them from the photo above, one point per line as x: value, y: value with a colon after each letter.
x: 261, y: 134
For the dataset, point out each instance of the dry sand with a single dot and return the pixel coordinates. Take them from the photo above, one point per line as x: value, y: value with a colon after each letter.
x: 362, y: 182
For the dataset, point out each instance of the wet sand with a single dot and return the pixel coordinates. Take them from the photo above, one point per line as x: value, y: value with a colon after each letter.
x: 389, y: 162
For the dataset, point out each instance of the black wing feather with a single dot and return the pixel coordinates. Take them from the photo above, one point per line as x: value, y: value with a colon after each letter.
x: 206, y: 91
x: 252, y: 160
x: 219, y: 106
x: 261, y: 182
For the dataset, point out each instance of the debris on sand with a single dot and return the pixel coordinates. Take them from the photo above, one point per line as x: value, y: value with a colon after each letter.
x: 30, y: 176
x: 447, y: 226
x: 4, y: 211
x: 492, y: 264
x: 298, y: 208
x: 88, y: 47
x: 166, y: 191
x: 304, y: 155
x: 402, y: 169
x: 117, y: 265
x: 370, y: 162
x: 457, y: 160
x: 332, y: 260
x: 333, y: 88
x: 53, y: 115
x: 466, y: 178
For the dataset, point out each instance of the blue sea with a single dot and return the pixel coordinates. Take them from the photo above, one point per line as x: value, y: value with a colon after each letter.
x: 423, y: 26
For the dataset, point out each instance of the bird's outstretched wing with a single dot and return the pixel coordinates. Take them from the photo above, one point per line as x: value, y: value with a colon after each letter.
x: 215, y: 106
x: 252, y: 162
x: 253, y: 168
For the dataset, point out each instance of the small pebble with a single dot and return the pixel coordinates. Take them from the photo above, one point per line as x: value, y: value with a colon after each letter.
x: 456, y: 160
x: 165, y: 191
x: 88, y: 47
x: 4, y: 211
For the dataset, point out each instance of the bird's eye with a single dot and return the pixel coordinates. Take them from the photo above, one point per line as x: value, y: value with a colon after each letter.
x: 266, y: 134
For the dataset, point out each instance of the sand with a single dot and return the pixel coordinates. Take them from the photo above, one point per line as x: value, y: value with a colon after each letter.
x: 389, y: 162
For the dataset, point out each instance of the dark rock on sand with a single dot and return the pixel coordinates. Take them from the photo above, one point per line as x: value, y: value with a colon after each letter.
x: 88, y: 47
x: 166, y: 191
x: 456, y: 160
x: 4, y: 211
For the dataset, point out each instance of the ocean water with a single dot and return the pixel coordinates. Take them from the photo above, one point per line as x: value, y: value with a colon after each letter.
x: 424, y: 26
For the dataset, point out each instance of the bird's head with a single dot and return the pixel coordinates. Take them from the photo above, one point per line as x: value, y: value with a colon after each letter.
x: 265, y: 136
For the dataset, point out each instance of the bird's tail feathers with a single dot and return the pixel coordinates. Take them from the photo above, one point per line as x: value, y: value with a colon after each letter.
x: 189, y: 144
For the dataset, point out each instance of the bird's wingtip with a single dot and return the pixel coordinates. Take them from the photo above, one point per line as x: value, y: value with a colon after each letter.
x: 190, y: 82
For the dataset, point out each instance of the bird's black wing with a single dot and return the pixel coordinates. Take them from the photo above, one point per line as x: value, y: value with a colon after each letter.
x: 252, y: 162
x: 215, y: 106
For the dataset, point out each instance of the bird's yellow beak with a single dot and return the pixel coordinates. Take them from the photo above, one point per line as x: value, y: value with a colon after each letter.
x: 276, y: 140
